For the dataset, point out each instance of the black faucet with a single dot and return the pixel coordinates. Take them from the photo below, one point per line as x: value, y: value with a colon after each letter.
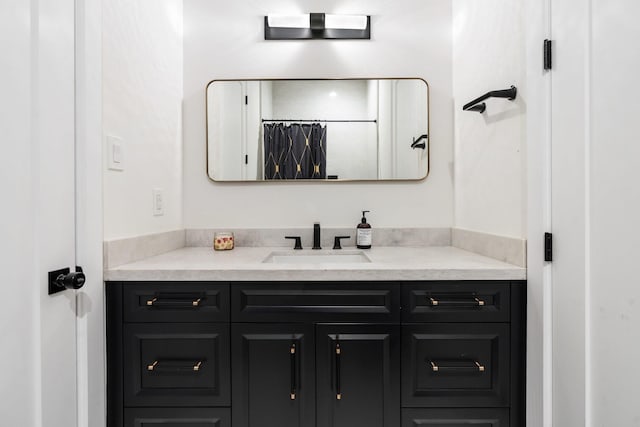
x: 336, y: 241
x: 298, y: 240
x: 316, y: 236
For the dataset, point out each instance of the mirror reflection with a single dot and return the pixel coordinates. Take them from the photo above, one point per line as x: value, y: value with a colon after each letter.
x: 351, y: 129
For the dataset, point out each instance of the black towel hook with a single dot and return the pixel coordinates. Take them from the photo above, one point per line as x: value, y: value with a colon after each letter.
x: 478, y: 104
x: 416, y: 144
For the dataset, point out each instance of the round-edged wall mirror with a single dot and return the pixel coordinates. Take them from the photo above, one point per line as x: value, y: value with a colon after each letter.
x: 332, y: 130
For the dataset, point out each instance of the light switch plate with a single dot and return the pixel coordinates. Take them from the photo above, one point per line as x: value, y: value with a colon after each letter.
x: 158, y: 201
x: 115, y: 153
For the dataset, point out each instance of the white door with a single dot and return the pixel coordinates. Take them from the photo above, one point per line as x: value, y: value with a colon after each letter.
x: 55, y: 218
x: 569, y: 124
x: 227, y: 113
x: 411, y: 123
x: 596, y: 207
x: 38, y: 357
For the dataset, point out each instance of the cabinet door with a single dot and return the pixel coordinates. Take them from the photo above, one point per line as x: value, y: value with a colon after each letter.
x: 273, y: 375
x: 358, y: 371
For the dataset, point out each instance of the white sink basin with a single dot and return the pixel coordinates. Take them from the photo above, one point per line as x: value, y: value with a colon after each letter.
x: 315, y: 257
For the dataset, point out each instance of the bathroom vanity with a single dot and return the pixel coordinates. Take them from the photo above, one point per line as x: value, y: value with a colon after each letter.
x: 301, y: 347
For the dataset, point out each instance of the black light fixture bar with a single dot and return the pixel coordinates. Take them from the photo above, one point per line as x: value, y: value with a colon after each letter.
x: 316, y: 30
x: 317, y: 120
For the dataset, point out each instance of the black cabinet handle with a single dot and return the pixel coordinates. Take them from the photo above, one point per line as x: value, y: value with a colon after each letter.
x: 338, y: 353
x: 471, y: 302
x: 184, y: 302
x: 456, y: 366
x: 175, y: 366
x: 294, y: 370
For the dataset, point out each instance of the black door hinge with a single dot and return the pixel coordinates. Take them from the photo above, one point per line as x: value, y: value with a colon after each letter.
x: 246, y: 100
x: 548, y: 247
x: 246, y: 159
x: 548, y: 54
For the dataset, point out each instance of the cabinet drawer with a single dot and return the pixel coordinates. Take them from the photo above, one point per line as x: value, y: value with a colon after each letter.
x: 176, y: 302
x: 176, y: 365
x: 176, y: 417
x: 456, y: 302
x: 326, y: 302
x: 455, y: 417
x: 455, y: 365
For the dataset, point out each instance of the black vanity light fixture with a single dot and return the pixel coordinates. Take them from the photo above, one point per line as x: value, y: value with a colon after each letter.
x: 317, y: 26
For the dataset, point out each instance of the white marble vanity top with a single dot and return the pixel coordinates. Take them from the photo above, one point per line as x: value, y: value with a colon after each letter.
x: 387, y: 263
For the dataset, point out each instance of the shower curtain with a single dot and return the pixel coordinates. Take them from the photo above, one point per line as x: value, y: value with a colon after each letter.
x: 295, y: 151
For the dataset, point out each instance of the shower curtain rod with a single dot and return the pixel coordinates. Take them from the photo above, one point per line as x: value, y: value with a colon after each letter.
x: 325, y: 121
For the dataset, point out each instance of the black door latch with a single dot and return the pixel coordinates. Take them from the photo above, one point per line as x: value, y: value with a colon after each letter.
x: 59, y: 280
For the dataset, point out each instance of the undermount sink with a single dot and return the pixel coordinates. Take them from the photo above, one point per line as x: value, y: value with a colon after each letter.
x: 308, y: 257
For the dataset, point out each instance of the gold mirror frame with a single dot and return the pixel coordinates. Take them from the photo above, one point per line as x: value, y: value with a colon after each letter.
x: 318, y: 181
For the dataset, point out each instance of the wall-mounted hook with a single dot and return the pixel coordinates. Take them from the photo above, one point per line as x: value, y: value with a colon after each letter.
x: 416, y: 142
x: 478, y: 104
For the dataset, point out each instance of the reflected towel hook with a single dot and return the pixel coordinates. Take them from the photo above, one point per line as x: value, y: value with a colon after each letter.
x: 416, y: 143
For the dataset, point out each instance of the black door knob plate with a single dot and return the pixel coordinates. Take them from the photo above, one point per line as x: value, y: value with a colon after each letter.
x: 59, y: 280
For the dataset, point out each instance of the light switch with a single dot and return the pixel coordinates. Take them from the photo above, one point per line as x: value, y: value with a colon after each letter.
x: 158, y: 201
x: 115, y: 153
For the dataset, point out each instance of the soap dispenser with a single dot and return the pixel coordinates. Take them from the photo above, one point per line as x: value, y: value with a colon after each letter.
x: 363, y: 233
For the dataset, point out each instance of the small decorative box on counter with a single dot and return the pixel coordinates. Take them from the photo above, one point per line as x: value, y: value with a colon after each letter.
x: 223, y: 241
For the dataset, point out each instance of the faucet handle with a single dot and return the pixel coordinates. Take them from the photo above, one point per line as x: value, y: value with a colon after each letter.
x: 298, y: 241
x: 336, y: 241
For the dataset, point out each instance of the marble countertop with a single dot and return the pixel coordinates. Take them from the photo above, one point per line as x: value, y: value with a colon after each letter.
x: 246, y: 263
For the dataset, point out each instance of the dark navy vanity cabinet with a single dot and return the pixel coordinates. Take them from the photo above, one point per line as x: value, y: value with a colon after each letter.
x: 316, y: 354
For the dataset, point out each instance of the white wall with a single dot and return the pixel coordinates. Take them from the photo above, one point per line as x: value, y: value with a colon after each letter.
x: 18, y: 379
x: 410, y: 38
x: 490, y: 174
x: 142, y: 87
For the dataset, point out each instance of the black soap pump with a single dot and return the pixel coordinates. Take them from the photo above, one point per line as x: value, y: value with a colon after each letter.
x: 363, y: 233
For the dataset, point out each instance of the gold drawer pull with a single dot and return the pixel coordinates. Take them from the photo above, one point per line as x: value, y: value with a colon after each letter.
x: 294, y: 372
x: 176, y: 366
x: 475, y: 302
x: 160, y: 302
x: 439, y: 367
x: 338, y: 376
